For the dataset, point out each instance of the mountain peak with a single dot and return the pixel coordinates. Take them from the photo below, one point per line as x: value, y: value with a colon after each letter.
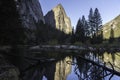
x: 59, y: 9
x: 57, y: 18
x: 59, y: 5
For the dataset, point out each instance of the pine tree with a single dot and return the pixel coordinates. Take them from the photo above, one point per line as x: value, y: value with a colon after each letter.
x: 97, y: 21
x: 91, y: 22
x: 85, y: 26
x: 79, y: 34
x: 73, y: 36
x: 95, y: 25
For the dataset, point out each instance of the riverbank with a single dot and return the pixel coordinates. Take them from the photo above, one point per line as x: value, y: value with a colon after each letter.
x: 75, y: 47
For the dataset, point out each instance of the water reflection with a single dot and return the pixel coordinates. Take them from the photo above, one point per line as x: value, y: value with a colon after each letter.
x: 39, y: 70
x: 48, y: 66
x: 51, y: 70
x: 92, y: 65
x: 113, y: 58
x: 62, y: 69
x: 85, y: 65
x: 89, y: 71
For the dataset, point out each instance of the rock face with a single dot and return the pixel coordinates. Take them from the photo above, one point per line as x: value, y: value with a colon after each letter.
x: 18, y: 14
x: 57, y: 18
x: 113, y: 24
x: 30, y: 13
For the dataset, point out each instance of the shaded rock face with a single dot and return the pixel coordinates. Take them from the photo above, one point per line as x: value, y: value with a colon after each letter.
x: 17, y: 14
x: 57, y: 18
x: 30, y: 13
x: 11, y: 31
x: 113, y: 24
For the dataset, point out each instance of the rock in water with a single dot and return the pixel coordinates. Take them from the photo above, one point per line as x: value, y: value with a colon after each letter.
x: 58, y: 19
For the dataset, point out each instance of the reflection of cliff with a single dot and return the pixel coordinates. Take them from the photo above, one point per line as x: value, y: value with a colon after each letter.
x: 62, y: 69
x: 49, y: 70
x: 113, y: 58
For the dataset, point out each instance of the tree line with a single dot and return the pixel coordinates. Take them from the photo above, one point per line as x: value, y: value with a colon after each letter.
x: 89, y: 30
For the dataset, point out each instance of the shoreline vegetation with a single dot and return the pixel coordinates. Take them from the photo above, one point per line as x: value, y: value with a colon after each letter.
x: 62, y: 47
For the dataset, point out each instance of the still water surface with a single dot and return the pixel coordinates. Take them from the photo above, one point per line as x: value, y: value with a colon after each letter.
x: 73, y: 66
x: 82, y: 65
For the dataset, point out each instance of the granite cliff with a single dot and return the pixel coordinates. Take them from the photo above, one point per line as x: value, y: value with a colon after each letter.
x: 113, y: 24
x: 30, y: 13
x: 58, y: 19
x: 19, y: 17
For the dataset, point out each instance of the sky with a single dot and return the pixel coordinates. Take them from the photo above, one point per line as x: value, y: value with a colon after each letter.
x: 109, y: 9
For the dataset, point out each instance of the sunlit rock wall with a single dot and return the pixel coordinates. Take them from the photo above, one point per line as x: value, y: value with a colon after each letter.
x: 57, y: 18
x: 63, y: 69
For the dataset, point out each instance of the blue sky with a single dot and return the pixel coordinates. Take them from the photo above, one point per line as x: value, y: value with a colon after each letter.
x: 108, y: 9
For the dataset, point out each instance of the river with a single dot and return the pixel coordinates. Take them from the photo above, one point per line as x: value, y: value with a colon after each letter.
x: 56, y: 65
x: 83, y: 65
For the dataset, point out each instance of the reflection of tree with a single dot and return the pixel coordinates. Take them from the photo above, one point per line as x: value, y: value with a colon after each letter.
x: 113, y: 57
x: 110, y: 56
x: 101, y: 55
x: 92, y: 69
x: 89, y: 71
x: 83, y: 67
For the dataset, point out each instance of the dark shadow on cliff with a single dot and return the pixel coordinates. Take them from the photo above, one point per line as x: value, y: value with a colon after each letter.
x: 11, y: 30
x: 48, y: 34
x: 50, y: 20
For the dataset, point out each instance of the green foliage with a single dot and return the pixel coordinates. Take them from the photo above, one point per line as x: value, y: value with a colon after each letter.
x: 89, y: 29
x: 80, y: 30
x: 91, y: 22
